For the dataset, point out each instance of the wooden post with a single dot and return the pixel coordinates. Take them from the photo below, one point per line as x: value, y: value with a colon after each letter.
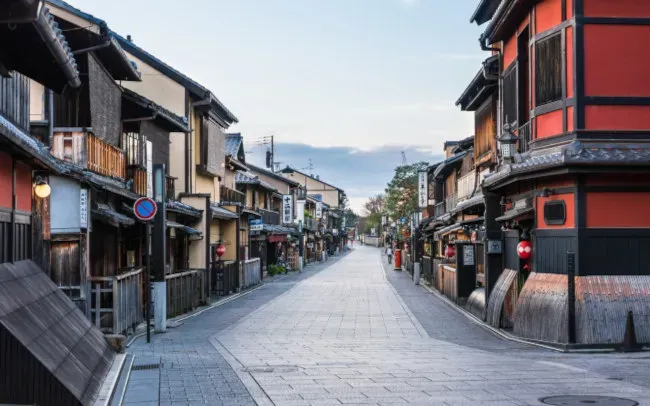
x: 571, y: 296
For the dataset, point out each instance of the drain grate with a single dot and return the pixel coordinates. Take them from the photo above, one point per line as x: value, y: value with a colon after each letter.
x: 585, y: 400
x: 145, y: 366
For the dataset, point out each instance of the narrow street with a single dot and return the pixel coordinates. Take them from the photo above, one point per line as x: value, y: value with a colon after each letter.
x: 352, y: 331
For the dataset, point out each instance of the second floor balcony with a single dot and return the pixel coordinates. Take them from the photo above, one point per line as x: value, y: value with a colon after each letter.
x: 83, y: 148
x: 232, y: 197
x: 466, y: 185
x: 270, y: 217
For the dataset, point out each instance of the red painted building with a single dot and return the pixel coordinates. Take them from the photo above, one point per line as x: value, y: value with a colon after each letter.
x: 574, y: 92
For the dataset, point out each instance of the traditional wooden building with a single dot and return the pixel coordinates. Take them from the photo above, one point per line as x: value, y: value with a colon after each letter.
x: 50, y: 352
x: 572, y: 184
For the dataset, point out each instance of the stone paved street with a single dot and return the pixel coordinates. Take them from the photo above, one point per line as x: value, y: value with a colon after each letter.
x: 359, y: 333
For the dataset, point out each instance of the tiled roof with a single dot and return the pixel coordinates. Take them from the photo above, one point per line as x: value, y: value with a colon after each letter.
x: 449, y: 162
x: 29, y: 144
x: 187, y: 230
x: 51, y: 328
x: 276, y: 229
x: 575, y: 154
x: 182, y: 208
x: 221, y: 213
x: 248, y: 178
x: 273, y: 175
x: 233, y: 143
x: 106, y: 213
x: 475, y: 200
x: 177, y: 121
x: 114, y: 45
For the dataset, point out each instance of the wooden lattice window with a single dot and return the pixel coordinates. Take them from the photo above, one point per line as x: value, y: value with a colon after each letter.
x: 548, y: 70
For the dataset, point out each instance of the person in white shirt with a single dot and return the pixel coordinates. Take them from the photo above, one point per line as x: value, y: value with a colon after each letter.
x: 389, y: 254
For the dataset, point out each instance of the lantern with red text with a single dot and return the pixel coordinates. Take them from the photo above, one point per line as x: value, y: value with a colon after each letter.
x: 524, y: 249
x: 450, y: 251
x: 221, y: 249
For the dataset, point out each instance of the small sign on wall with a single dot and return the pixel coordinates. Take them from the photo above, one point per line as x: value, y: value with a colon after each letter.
x: 83, y: 208
x: 494, y: 247
x: 468, y: 254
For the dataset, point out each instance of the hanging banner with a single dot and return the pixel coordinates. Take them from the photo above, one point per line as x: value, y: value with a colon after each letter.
x: 423, y: 189
x: 287, y: 209
x: 319, y: 210
x: 83, y: 208
x: 300, y: 210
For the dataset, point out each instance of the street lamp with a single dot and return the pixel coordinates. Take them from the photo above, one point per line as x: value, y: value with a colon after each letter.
x: 508, y: 141
x: 41, y: 188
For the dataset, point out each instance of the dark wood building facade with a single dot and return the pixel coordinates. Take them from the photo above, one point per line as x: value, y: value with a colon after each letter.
x: 572, y: 91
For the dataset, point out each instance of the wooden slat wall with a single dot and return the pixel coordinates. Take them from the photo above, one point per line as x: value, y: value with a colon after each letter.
x: 602, y: 303
x: 498, y: 297
x: 14, y: 99
x: 542, y: 308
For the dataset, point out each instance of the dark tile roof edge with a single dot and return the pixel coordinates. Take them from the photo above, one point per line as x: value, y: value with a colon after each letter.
x: 180, y: 122
x: 274, y: 175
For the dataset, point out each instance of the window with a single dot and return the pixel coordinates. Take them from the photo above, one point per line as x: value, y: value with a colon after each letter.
x: 555, y: 212
x: 510, y: 97
x: 548, y: 70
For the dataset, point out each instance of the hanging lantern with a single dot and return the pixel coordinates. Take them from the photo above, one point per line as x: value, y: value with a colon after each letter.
x: 221, y: 249
x: 524, y: 249
x: 41, y: 188
x: 293, y: 245
x: 508, y: 143
x: 450, y: 251
x: 279, y: 245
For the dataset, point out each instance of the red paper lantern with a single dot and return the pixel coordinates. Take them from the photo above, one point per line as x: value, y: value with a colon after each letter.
x: 524, y: 249
x: 450, y: 251
x: 221, y: 250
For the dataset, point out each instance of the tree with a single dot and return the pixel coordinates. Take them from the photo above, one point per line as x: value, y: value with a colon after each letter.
x: 402, y: 190
x: 374, y: 204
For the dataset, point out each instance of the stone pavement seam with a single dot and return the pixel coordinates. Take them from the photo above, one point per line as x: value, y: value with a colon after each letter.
x: 252, y: 385
x: 410, y: 314
x: 269, y: 303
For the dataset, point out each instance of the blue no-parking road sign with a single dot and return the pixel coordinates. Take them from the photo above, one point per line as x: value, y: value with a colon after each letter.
x: 145, y: 208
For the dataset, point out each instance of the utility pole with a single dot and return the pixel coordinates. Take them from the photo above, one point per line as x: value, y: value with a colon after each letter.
x: 159, y: 250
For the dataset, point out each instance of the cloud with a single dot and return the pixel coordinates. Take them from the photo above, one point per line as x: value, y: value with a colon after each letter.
x: 360, y: 172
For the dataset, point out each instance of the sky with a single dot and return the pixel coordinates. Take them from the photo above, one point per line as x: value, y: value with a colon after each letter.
x: 342, y: 79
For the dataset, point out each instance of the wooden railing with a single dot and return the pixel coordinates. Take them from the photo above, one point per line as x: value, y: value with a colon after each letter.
x: 270, y: 217
x: 252, y: 272
x: 139, y: 177
x: 116, y: 301
x: 232, y: 196
x: 440, y: 209
x: 450, y: 202
x: 466, y: 185
x: 186, y: 290
x: 427, y: 269
x: 89, y: 152
x: 104, y: 158
x: 225, y: 277
x: 446, y: 281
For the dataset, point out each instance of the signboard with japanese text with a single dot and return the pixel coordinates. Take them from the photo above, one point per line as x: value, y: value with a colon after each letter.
x: 255, y: 225
x: 287, y: 209
x: 423, y: 189
x: 319, y: 210
x: 83, y: 208
x: 300, y: 210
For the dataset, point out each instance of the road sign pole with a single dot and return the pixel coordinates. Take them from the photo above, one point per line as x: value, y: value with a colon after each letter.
x: 158, y: 249
x: 147, y: 290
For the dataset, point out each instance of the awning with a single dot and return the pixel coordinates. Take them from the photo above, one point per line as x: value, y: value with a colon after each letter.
x: 221, y: 213
x: 277, y: 238
x: 512, y: 214
x: 110, y: 216
x: 472, y: 221
x: 251, y: 212
x: 473, y: 201
x: 191, y: 232
x: 182, y: 208
x: 447, y: 230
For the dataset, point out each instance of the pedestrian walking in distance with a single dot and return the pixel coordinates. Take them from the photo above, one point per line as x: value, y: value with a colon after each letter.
x: 389, y: 254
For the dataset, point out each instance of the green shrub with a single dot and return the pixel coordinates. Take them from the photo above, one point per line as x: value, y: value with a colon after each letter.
x: 274, y: 269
